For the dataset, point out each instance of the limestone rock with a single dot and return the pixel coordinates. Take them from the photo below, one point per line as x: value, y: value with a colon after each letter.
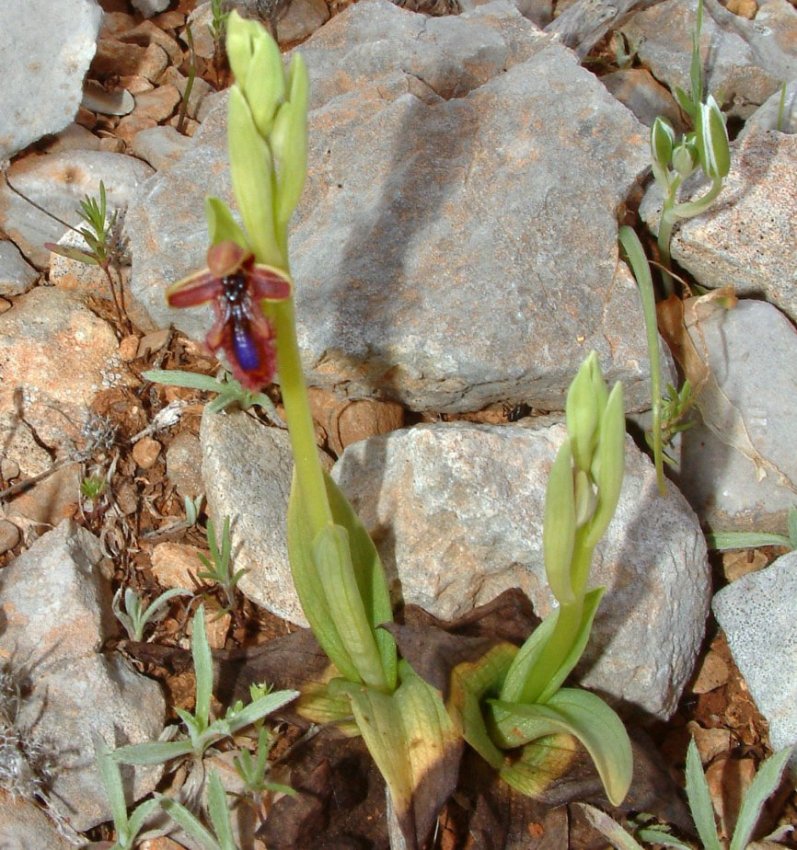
x: 757, y: 615
x: 745, y: 480
x: 456, y: 243
x: 42, y: 90
x: 456, y: 512
x: 16, y: 276
x: 56, y: 606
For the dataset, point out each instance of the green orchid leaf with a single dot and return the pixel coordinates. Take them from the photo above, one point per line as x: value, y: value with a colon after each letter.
x: 699, y: 796
x: 578, y: 713
x: 252, y: 172
x: 724, y: 541
x: 370, y: 575
x: 470, y: 682
x: 540, y: 765
x: 763, y: 786
x: 711, y: 139
x: 522, y: 682
x: 333, y: 563
x: 222, y: 226
x: 559, y: 526
x: 415, y: 746
x: 310, y: 589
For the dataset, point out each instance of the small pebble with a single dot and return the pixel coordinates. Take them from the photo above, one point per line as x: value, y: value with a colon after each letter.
x: 713, y: 673
x: 128, y: 348
x: 743, y: 8
x: 9, y: 535
x: 9, y: 469
x: 146, y: 451
x: 184, y: 464
x: 177, y: 564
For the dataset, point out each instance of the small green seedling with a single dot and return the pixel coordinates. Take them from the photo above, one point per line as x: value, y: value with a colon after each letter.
x: 674, y: 160
x: 697, y: 791
x: 193, y: 507
x: 218, y: 811
x: 230, y: 392
x: 127, y: 827
x: 252, y: 771
x: 726, y: 540
x: 202, y: 731
x: 135, y: 617
x: 105, y: 247
x: 218, y: 568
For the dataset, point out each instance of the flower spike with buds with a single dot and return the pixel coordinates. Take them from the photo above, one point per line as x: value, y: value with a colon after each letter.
x: 237, y: 285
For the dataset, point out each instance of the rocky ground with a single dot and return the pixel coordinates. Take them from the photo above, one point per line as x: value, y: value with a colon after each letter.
x: 456, y: 257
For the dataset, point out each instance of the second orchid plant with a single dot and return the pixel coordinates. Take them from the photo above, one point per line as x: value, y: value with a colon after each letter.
x: 336, y: 569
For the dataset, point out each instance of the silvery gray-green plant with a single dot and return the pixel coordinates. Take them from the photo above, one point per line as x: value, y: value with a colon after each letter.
x: 218, y: 568
x: 218, y: 812
x: 674, y: 160
x: 697, y: 791
x: 203, y: 731
x: 725, y: 540
x: 127, y: 827
x: 134, y: 617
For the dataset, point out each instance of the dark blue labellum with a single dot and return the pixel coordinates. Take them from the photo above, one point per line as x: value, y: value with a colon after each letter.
x: 245, y: 348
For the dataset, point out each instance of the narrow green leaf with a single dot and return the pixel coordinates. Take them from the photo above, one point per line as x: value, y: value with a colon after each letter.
x: 259, y: 708
x: 203, y: 668
x: 333, y: 562
x: 635, y: 254
x: 582, y: 414
x: 189, y: 822
x: 152, y: 752
x: 609, y: 827
x: 725, y: 540
x: 138, y: 819
x: 179, y: 378
x: 222, y: 227
x: 370, y: 575
x: 792, y: 525
x: 309, y: 588
x: 700, y: 800
x: 265, y: 82
x: 219, y: 812
x: 579, y: 713
x: 112, y: 782
x: 72, y: 253
x: 763, y: 786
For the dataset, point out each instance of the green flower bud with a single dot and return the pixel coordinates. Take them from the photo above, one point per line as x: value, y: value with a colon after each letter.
x: 559, y: 525
x: 582, y: 412
x: 265, y: 82
x: 662, y: 141
x: 684, y: 158
x: 608, y: 467
x: 289, y: 141
x: 711, y: 137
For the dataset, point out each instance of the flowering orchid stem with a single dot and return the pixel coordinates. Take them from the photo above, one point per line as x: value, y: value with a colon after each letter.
x: 309, y: 474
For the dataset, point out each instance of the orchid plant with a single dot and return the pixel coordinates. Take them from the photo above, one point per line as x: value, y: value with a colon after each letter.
x: 336, y: 568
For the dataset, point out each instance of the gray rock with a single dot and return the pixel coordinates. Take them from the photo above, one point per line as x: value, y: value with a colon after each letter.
x: 769, y: 115
x: 637, y: 89
x: 456, y: 512
x: 184, y: 465
x: 756, y: 613
x: 752, y: 351
x: 160, y: 146
x: 302, y: 19
x: 247, y: 471
x: 41, y: 94
x: 58, y: 183
x: 16, y: 276
x: 150, y: 8
x: 56, y: 606
x: 736, y: 73
x: 24, y: 825
x: 456, y: 243
x: 747, y: 239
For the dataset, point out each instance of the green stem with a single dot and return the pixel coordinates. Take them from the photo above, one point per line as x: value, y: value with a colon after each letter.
x: 309, y: 475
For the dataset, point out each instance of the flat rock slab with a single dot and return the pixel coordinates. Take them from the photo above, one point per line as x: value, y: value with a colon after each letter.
x: 756, y: 613
x: 747, y: 239
x: 23, y: 824
x: 56, y: 610
x: 456, y: 242
x: 746, y: 481
x: 54, y: 44
x: 58, y: 182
